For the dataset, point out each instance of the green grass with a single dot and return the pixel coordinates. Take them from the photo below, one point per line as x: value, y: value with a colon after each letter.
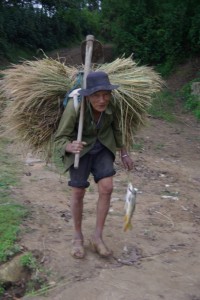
x: 191, y: 102
x: 11, y: 213
x: 138, y: 147
x: 164, y: 103
x: 29, y: 261
x: 39, y: 276
x: 163, y: 106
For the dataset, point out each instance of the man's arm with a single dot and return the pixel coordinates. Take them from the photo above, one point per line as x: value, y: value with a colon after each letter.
x: 65, y: 133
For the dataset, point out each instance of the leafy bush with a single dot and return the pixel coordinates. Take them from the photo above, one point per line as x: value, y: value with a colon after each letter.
x: 191, y: 102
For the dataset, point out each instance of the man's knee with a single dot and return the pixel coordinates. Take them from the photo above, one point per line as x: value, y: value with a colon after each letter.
x: 106, y: 186
x: 78, y: 193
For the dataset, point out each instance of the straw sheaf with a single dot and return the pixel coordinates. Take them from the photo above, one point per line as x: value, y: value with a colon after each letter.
x: 137, y: 86
x: 34, y: 93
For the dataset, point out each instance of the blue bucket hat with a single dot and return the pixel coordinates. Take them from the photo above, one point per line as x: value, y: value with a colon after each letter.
x: 97, y: 81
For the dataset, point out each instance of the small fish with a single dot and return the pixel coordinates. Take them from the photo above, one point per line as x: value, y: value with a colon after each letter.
x: 129, y: 205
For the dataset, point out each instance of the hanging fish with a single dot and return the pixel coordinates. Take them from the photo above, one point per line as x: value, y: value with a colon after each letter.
x: 129, y: 205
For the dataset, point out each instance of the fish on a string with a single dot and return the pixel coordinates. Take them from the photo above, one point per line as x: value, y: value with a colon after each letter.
x: 130, y: 205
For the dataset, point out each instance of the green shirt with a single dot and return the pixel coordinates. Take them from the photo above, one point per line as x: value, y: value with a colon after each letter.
x: 109, y: 133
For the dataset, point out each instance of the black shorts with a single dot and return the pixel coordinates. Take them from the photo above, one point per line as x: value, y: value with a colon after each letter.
x: 100, y: 165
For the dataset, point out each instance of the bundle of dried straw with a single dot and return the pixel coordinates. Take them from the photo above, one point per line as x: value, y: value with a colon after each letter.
x: 34, y: 92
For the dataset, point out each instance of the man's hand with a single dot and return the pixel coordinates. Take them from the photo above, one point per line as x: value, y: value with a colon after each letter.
x: 127, y: 162
x: 75, y: 147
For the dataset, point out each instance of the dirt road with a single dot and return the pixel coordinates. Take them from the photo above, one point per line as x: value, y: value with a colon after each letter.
x: 160, y: 257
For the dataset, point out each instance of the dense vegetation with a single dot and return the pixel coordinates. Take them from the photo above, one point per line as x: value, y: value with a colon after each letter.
x: 158, y: 32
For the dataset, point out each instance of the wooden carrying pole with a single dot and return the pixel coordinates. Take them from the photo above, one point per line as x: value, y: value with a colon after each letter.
x: 88, y: 60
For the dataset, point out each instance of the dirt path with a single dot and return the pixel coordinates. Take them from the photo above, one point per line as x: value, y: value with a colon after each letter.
x: 159, y: 258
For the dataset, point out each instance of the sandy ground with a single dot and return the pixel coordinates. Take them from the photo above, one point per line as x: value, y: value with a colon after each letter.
x: 159, y: 258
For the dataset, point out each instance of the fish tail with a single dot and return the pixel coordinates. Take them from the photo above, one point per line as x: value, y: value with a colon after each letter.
x: 125, y: 218
x: 127, y: 224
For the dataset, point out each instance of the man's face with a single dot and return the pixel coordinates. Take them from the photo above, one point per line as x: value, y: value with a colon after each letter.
x: 100, y: 100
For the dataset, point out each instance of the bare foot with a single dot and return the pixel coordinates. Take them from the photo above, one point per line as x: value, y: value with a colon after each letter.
x: 99, y: 247
x: 77, y: 250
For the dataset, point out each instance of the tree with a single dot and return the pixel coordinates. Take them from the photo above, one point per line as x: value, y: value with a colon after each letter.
x: 155, y: 31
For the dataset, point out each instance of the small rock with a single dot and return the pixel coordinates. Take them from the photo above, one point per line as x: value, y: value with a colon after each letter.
x: 12, y: 271
x: 115, y: 199
x: 196, y: 89
x: 28, y: 173
x: 170, y: 197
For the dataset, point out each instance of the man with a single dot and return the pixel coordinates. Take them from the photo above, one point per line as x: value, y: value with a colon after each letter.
x: 101, y: 138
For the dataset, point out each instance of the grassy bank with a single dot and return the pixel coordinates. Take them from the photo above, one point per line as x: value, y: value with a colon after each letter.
x: 163, y: 106
x: 11, y: 213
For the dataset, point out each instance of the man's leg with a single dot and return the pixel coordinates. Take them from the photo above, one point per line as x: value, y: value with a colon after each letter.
x: 105, y: 187
x: 77, y: 211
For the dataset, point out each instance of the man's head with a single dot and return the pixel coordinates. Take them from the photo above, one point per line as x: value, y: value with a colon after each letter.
x: 95, y: 82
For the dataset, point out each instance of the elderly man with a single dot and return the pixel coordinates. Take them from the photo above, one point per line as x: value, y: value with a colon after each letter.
x: 101, y: 139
